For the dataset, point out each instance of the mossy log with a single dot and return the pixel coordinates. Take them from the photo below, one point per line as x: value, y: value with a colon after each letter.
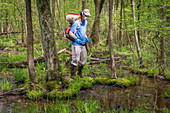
x: 83, y: 83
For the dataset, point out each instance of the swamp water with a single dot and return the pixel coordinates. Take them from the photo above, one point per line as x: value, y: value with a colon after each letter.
x: 148, y: 94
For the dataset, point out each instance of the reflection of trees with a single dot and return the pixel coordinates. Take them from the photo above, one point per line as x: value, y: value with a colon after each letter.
x: 160, y: 100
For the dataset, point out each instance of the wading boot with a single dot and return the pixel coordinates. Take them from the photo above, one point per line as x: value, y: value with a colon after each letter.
x: 73, y: 71
x: 80, y: 68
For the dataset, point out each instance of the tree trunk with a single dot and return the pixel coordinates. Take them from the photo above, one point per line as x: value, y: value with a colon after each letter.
x: 136, y: 35
x: 106, y: 21
x: 138, y: 7
x: 48, y: 41
x: 113, y: 68
x: 83, y: 4
x: 58, y: 21
x: 7, y: 24
x: 127, y: 34
x: 22, y: 30
x: 29, y: 35
x: 2, y: 26
x: 162, y: 43
x: 95, y: 34
x: 115, y: 21
x: 53, y: 11
x: 120, y: 32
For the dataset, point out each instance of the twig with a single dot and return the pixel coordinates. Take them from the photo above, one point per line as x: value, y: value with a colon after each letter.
x: 37, y: 52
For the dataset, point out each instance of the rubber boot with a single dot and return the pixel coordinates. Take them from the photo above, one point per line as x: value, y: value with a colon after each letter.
x: 73, y: 70
x: 80, y: 68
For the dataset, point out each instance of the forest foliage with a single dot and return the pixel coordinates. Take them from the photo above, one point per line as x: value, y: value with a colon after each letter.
x: 152, y: 26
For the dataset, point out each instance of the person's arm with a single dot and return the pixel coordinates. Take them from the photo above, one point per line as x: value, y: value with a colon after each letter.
x: 73, y: 29
x: 72, y: 34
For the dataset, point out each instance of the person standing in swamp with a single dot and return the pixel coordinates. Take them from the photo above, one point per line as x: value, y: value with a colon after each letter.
x: 79, y: 52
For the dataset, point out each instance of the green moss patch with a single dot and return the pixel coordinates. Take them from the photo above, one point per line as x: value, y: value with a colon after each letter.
x: 53, y: 85
x: 111, y: 81
x: 101, y: 80
x: 122, y: 82
x: 87, y: 82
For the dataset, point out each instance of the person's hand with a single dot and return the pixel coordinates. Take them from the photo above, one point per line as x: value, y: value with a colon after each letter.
x: 77, y: 40
x: 87, y: 40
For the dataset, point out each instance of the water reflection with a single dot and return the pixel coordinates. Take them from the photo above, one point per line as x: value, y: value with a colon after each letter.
x: 147, y: 94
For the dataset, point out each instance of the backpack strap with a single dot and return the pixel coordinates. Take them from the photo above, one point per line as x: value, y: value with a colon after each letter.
x: 86, y: 23
x: 77, y: 28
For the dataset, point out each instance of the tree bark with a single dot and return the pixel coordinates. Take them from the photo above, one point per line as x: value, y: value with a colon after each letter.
x: 136, y: 35
x: 95, y: 34
x: 48, y: 41
x: 115, y: 21
x: 29, y: 35
x: 120, y: 32
x: 162, y: 43
x: 113, y: 68
x: 2, y: 24
x: 7, y: 24
x: 83, y: 4
x: 53, y: 11
x: 138, y: 7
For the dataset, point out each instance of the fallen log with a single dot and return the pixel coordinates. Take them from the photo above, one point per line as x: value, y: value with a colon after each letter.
x: 12, y: 91
x: 24, y: 63
x: 105, y: 59
x: 101, y: 60
x: 64, y: 51
x: 21, y: 64
x: 9, y: 33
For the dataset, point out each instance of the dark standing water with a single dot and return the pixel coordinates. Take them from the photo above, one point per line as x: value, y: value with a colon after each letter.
x: 147, y: 94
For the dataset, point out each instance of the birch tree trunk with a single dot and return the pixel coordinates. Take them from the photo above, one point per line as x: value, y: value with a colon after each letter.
x: 29, y: 35
x: 136, y: 35
x: 47, y: 34
x: 113, y: 68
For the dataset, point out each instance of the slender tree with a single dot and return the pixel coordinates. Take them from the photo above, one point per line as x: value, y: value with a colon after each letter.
x: 116, y: 4
x: 138, y: 7
x: 113, y: 68
x: 136, y: 35
x: 162, y: 42
x: 7, y: 24
x: 120, y: 32
x: 48, y: 41
x: 2, y: 21
x: 29, y: 35
x: 83, y: 4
